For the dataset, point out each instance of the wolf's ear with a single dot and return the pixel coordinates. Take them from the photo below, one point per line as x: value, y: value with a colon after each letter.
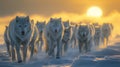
x: 6, y: 27
x: 60, y: 19
x: 80, y: 22
x: 76, y: 25
x: 51, y: 19
x: 17, y: 18
x: 68, y: 21
x: 44, y: 22
x: 32, y: 23
x: 28, y: 18
x: 32, y: 20
x: 37, y: 22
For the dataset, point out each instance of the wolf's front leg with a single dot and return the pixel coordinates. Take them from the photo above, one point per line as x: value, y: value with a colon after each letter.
x: 32, y: 49
x: 50, y: 46
x: 18, y: 53
x: 80, y: 45
x: 24, y: 52
x: 59, y: 49
x: 86, y: 46
x: 13, y: 53
x: 9, y: 49
x: 107, y: 41
x: 53, y: 49
x: 41, y: 44
x: 89, y: 45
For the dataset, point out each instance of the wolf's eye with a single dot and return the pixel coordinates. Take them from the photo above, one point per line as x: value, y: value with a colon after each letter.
x: 19, y: 25
x: 25, y: 25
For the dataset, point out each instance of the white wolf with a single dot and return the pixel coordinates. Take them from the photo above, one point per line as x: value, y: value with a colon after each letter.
x: 98, y: 35
x: 84, y: 37
x: 41, y: 26
x: 22, y: 32
x: 53, y: 36
x: 106, y: 32
x: 66, y: 38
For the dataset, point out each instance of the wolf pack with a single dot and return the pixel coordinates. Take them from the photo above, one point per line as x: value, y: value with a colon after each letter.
x: 53, y: 37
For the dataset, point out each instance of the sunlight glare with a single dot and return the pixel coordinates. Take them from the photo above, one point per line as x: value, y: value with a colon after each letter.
x: 94, y: 12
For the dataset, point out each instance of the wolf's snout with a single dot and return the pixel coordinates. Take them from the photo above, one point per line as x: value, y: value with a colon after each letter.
x: 55, y: 30
x: 23, y: 33
x: 83, y: 35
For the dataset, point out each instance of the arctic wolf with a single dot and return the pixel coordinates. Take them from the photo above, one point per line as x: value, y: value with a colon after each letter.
x: 66, y: 38
x: 22, y: 32
x: 53, y: 36
x: 98, y: 35
x: 84, y: 37
x: 106, y: 32
x: 40, y: 26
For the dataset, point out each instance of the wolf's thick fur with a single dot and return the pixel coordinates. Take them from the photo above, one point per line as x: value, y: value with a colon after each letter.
x: 66, y: 24
x: 22, y: 32
x: 73, y: 37
x: 106, y: 32
x: 98, y: 35
x: 66, y: 38
x: 41, y: 27
x: 53, y: 36
x: 84, y: 37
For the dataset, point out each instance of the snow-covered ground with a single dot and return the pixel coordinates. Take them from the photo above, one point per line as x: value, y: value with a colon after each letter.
x: 105, y: 57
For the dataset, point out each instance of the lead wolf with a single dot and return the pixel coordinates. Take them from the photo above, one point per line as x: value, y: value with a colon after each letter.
x: 53, y: 36
x: 21, y: 31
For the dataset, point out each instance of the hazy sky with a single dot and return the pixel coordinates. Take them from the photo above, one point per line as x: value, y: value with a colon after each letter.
x: 49, y: 7
x: 74, y: 10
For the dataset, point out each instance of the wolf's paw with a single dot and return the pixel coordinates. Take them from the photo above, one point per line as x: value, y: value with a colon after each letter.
x: 19, y: 61
x: 57, y: 57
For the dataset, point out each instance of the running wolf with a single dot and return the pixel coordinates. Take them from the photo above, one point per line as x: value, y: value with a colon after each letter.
x: 53, y: 36
x: 22, y: 33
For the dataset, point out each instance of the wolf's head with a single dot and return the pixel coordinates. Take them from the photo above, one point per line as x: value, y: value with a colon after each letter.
x: 40, y: 26
x: 67, y: 34
x: 55, y: 25
x: 83, y: 30
x: 22, y: 25
x: 66, y: 24
x: 67, y: 30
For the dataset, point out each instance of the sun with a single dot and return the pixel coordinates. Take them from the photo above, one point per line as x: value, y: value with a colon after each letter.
x: 94, y: 12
